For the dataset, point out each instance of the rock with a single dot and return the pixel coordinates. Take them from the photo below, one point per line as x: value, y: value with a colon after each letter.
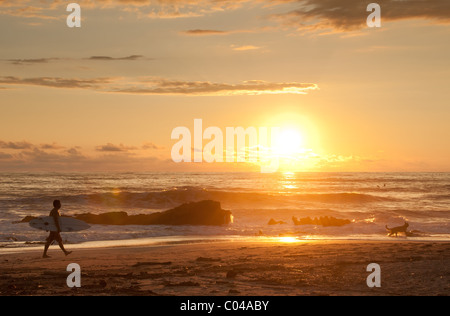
x: 111, y: 218
x: 274, y: 222
x: 26, y: 219
x: 196, y: 213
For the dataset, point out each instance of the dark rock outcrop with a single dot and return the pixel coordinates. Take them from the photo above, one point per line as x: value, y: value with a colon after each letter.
x: 274, y: 222
x: 196, y: 213
x: 26, y: 219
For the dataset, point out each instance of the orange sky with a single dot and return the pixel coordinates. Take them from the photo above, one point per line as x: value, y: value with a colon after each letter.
x: 106, y: 96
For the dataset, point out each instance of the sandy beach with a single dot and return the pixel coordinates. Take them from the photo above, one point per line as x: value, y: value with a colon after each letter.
x: 235, y: 268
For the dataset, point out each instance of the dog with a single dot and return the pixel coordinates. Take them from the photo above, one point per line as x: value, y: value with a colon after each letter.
x: 396, y: 230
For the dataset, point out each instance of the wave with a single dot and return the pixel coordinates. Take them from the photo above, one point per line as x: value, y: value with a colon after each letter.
x: 438, y: 197
x: 169, y: 198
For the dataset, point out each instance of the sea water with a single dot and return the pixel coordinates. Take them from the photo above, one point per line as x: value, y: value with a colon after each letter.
x: 369, y: 200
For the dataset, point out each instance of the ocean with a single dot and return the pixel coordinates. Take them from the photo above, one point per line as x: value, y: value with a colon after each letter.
x: 368, y: 200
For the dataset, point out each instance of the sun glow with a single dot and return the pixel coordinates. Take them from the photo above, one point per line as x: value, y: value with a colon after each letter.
x: 288, y: 239
x: 290, y: 147
x: 289, y: 142
x: 296, y: 143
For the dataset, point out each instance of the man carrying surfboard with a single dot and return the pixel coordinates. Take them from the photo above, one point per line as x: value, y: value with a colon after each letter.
x: 55, y: 235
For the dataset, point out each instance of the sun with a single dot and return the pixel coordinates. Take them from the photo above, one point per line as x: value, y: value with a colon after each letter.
x: 289, y: 142
x: 295, y: 144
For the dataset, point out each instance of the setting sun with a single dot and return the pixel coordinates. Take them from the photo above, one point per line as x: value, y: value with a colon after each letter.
x: 289, y: 142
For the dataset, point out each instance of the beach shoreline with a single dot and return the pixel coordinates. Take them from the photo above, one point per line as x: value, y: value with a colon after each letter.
x: 239, y: 267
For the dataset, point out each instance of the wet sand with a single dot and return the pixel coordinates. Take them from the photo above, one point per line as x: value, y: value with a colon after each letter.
x: 234, y: 268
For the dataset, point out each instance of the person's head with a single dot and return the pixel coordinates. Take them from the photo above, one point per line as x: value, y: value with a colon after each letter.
x: 57, y: 204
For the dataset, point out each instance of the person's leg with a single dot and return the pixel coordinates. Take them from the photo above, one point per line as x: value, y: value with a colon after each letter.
x: 61, y: 245
x: 47, y: 245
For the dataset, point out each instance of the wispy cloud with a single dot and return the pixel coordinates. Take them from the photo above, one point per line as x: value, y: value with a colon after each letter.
x: 160, y: 86
x: 57, y: 82
x: 115, y: 148
x: 5, y: 156
x: 25, y: 10
x: 53, y: 146
x: 339, y: 15
x: 151, y: 146
x: 252, y: 87
x: 212, y: 32
x: 200, y: 32
x: 245, y: 48
x: 109, y: 58
x: 31, y: 61
x: 350, y: 15
x: 46, y: 60
x: 15, y: 145
x: 25, y: 156
x: 160, y: 9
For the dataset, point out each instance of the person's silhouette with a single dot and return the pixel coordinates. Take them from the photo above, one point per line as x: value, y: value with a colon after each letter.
x: 55, y: 235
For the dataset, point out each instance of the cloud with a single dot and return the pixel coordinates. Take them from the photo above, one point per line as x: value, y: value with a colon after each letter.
x: 253, y: 87
x: 245, y: 48
x: 114, y: 148
x: 108, y: 58
x: 27, y: 145
x: 53, y: 146
x: 24, y: 10
x: 37, y: 61
x: 151, y: 146
x: 73, y: 160
x: 158, y: 86
x: 74, y: 152
x: 56, y: 82
x: 16, y: 145
x: 31, y: 61
x: 39, y: 155
x: 5, y: 156
x: 199, y: 32
x: 154, y: 9
x: 339, y: 15
x: 25, y: 156
x: 350, y: 15
x: 212, y: 32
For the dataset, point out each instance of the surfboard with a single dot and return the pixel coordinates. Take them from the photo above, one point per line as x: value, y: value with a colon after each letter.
x: 67, y: 224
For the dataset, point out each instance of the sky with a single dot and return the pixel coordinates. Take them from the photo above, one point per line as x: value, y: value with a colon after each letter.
x: 106, y: 96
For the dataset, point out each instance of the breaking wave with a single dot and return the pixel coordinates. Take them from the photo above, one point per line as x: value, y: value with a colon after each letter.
x: 170, y: 198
